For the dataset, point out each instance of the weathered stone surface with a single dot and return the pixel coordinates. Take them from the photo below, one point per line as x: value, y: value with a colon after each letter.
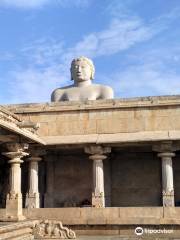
x: 125, y: 120
x: 52, y: 229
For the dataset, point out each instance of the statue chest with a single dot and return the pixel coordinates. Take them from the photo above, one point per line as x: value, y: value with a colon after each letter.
x: 81, y: 95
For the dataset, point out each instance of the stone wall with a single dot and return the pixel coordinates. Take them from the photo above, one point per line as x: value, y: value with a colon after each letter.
x: 136, y: 180
x: 103, y: 116
x: 72, y: 180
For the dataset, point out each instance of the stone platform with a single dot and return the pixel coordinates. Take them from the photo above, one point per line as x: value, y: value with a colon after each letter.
x: 117, y: 222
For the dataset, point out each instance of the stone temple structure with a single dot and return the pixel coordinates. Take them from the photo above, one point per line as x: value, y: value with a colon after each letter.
x: 98, y: 165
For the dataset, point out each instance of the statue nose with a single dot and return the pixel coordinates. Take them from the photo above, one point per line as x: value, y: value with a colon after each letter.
x: 79, y: 69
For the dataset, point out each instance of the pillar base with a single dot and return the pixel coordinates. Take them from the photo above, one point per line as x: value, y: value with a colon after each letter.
x: 98, y: 201
x: 14, y: 207
x: 168, y: 199
x: 32, y: 200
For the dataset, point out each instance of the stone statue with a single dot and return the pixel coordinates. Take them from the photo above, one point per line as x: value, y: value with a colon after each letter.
x: 82, y: 72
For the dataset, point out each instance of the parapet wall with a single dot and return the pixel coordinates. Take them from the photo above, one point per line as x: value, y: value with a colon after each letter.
x: 150, y: 118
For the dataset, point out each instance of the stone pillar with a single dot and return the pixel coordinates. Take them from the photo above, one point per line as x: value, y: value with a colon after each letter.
x: 14, y: 197
x: 49, y: 195
x: 32, y: 197
x: 165, y: 150
x: 97, y: 154
x: 167, y: 178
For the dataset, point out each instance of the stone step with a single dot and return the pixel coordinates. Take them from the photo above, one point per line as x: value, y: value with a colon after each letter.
x: 126, y: 238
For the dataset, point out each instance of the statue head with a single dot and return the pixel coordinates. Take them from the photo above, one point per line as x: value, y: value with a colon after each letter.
x: 82, y: 69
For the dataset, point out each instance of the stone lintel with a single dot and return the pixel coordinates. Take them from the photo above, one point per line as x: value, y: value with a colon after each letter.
x: 115, y: 138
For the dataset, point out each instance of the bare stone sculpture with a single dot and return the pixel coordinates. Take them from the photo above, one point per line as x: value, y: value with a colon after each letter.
x: 49, y: 229
x: 82, y: 72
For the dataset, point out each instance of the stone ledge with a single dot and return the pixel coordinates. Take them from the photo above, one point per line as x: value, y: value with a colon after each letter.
x: 98, y: 104
x: 146, y: 136
x: 109, y: 216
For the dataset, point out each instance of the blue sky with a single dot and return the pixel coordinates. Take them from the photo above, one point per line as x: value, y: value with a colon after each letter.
x: 135, y: 46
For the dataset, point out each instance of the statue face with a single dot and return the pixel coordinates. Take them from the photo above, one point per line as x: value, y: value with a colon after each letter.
x: 81, y: 71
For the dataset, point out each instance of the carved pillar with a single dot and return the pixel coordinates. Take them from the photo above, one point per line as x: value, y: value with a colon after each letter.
x: 32, y: 196
x: 167, y: 178
x: 97, y: 154
x: 49, y: 195
x: 14, y: 197
x: 165, y: 150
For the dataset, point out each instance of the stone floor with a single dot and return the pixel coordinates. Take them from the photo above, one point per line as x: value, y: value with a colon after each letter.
x: 123, y: 238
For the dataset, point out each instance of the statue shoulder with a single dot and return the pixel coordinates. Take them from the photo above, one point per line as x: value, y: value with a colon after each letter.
x: 106, y: 92
x: 57, y: 94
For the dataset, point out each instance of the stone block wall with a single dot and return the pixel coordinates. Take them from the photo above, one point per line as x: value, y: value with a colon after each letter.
x: 103, y: 116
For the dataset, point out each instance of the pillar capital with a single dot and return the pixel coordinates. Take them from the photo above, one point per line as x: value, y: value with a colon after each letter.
x: 33, y: 159
x: 97, y: 150
x: 165, y: 147
x: 15, y: 152
x: 16, y: 147
x: 37, y: 152
x: 165, y: 155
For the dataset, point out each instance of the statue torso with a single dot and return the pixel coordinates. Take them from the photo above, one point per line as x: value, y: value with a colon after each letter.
x: 73, y: 93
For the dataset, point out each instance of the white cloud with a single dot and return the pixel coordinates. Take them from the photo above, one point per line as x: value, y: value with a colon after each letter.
x: 43, y: 51
x: 6, y: 56
x: 77, y: 3
x: 148, y: 76
x: 23, y: 3
x: 39, y: 3
x: 32, y: 85
x: 119, y: 36
x: 49, y: 62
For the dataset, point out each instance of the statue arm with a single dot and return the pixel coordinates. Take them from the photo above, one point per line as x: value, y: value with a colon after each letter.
x: 107, y: 93
x: 57, y: 95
